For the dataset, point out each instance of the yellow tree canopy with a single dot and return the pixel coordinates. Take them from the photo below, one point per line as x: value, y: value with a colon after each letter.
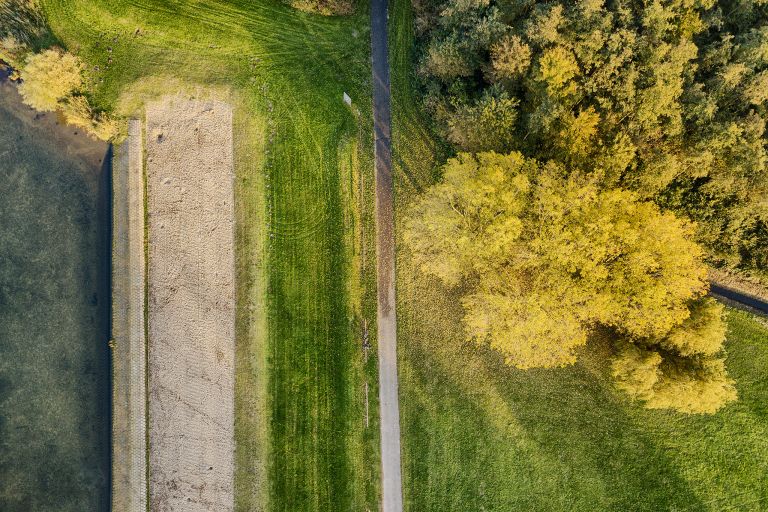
x: 544, y: 258
x: 49, y: 77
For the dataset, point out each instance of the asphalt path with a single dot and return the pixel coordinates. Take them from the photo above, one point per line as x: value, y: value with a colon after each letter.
x: 391, y: 475
x: 746, y: 300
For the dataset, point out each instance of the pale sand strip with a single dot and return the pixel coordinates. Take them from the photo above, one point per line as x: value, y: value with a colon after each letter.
x: 191, y: 305
x: 129, y: 448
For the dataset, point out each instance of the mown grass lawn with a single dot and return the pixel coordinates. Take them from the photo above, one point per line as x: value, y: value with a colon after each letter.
x: 481, y: 436
x: 302, y: 164
x: 478, y: 435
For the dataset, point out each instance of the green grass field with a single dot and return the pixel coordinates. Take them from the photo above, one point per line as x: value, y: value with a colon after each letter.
x: 482, y: 436
x: 478, y: 435
x: 302, y: 160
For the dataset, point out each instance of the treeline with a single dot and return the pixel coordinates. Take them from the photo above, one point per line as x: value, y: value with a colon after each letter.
x: 51, y: 79
x: 667, y: 99
x: 589, y: 134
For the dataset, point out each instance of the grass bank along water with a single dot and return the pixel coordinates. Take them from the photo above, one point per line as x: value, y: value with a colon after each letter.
x: 54, y: 314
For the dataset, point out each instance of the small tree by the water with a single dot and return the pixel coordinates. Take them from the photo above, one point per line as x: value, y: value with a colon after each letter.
x: 49, y: 77
x: 53, y: 81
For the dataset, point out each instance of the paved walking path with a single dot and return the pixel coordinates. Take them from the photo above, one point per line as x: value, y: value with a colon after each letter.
x: 392, y: 496
x: 129, y: 393
x: 740, y: 298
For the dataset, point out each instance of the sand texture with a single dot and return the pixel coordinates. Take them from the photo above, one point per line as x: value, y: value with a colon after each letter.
x: 191, y: 305
x: 129, y: 406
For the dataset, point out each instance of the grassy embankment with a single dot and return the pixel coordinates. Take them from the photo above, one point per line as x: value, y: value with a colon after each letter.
x: 301, y: 160
x: 480, y: 436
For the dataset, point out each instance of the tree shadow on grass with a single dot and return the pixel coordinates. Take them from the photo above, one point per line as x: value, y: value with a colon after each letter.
x: 573, y: 417
x: 479, y: 435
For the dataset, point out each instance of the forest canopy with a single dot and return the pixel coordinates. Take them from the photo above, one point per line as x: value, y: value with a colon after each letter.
x: 666, y: 99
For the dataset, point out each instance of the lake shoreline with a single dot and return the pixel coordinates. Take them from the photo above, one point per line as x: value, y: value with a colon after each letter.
x: 78, y: 143
x: 79, y: 185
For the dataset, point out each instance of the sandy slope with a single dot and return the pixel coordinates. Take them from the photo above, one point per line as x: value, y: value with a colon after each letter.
x: 191, y: 308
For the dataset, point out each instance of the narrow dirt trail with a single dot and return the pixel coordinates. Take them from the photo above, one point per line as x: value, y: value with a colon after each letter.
x: 391, y: 476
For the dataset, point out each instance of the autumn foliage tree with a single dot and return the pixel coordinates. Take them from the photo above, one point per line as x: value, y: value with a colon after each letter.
x: 49, y: 78
x: 52, y: 80
x: 546, y: 255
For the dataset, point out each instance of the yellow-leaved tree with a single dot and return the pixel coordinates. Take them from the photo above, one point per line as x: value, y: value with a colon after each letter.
x: 49, y: 77
x: 52, y: 81
x: 544, y: 259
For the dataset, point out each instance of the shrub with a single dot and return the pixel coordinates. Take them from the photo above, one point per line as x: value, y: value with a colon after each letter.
x: 636, y: 370
x: 12, y: 53
x: 697, y: 385
x: 510, y: 58
x: 487, y: 125
x: 77, y: 112
x: 324, y: 7
x: 21, y: 21
x: 694, y: 386
x: 700, y: 334
x: 49, y: 78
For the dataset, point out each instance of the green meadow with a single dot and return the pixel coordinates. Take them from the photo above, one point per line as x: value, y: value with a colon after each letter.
x: 479, y: 435
x: 476, y: 434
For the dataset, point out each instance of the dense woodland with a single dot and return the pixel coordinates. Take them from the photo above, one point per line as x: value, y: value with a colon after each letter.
x: 667, y: 99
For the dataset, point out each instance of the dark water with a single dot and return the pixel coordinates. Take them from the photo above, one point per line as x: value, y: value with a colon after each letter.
x: 54, y: 315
